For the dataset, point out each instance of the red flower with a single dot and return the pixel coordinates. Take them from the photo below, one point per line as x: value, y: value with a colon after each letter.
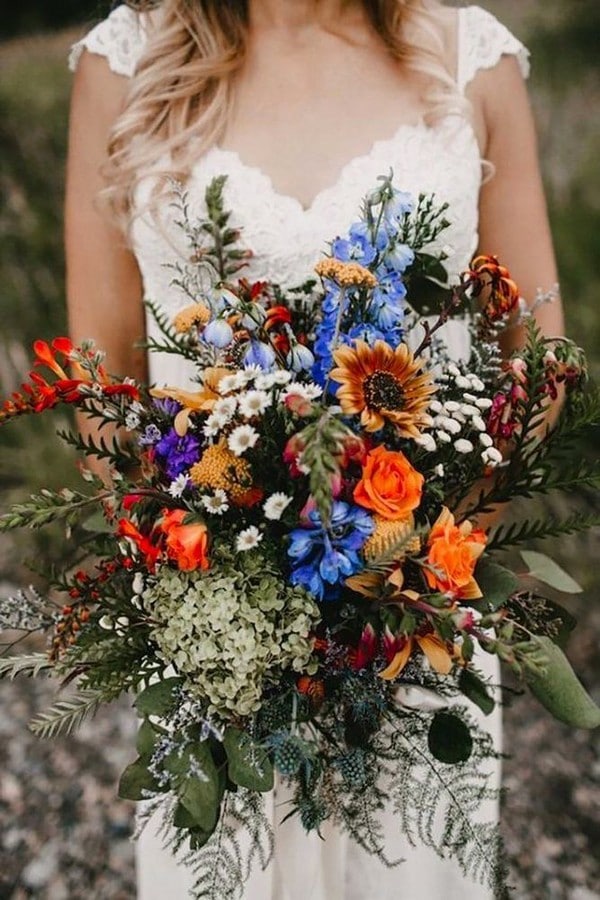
x: 486, y: 273
x: 187, y: 545
x: 126, y: 529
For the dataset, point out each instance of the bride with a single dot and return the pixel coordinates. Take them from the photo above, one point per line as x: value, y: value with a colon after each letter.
x: 301, y: 104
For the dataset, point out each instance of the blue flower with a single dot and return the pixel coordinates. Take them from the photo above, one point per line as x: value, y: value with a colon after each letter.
x: 323, y: 558
x: 178, y: 452
x: 219, y: 333
x: 397, y: 208
x: 357, y: 248
x: 300, y: 358
x: 167, y: 406
x: 261, y: 355
x: 400, y: 257
x: 390, y: 287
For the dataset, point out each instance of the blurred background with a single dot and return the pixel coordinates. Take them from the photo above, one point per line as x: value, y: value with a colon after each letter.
x: 62, y: 832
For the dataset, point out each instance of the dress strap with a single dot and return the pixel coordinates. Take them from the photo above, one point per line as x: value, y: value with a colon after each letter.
x: 482, y: 41
x: 121, y: 38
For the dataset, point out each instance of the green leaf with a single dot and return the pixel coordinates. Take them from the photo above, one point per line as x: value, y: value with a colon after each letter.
x: 97, y: 523
x: 545, y: 569
x: 158, y: 699
x: 449, y: 739
x: 196, y: 783
x: 182, y: 818
x: 560, y: 691
x: 248, y: 763
x: 136, y: 781
x: 495, y: 582
x: 476, y: 690
x: 146, y: 738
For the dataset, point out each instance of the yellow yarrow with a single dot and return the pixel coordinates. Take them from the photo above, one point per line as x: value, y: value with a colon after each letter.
x: 346, y: 274
x: 388, y: 534
x: 197, y: 314
x: 220, y: 469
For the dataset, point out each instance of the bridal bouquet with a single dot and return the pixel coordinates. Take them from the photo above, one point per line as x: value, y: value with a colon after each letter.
x: 289, y: 549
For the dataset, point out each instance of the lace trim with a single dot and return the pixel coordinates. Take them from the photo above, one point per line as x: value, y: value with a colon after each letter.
x: 483, y: 40
x: 121, y: 38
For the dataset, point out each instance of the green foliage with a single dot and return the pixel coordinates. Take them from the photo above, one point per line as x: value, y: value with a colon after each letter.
x: 495, y: 582
x: 248, y: 764
x: 67, y: 715
x: 323, y: 443
x: 558, y: 689
x: 547, y: 570
x: 12, y: 667
x: 449, y: 739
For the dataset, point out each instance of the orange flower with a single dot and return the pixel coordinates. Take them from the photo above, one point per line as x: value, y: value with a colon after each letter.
x: 453, y: 554
x: 390, y: 486
x: 382, y: 385
x: 431, y: 645
x: 503, y: 294
x: 186, y: 545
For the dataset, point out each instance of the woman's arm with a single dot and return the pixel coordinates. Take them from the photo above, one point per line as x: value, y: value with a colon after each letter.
x: 513, y: 216
x: 104, y: 291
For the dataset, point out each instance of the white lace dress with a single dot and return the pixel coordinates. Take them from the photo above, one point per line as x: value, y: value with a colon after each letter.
x: 286, y: 241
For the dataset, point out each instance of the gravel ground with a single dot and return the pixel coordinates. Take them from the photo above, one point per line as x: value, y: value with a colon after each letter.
x: 65, y: 836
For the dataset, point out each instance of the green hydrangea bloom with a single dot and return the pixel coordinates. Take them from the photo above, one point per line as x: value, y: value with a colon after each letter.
x: 232, y: 631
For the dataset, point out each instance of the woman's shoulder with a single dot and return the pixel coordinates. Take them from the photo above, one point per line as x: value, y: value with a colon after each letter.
x: 121, y: 38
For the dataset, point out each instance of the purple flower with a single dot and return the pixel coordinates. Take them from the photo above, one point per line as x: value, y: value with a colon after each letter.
x: 178, y: 452
x: 167, y: 406
x: 150, y: 437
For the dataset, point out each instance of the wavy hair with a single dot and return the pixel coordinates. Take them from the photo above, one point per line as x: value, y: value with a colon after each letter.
x: 180, y: 96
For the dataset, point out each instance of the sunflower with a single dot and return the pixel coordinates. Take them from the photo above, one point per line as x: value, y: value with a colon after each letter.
x: 383, y: 384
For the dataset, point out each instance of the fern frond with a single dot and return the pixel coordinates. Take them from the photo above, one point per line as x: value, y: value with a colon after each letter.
x: 68, y: 715
x: 525, y: 532
x: 31, y: 666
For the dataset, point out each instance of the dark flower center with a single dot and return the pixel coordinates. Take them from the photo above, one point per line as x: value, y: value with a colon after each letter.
x: 383, y: 391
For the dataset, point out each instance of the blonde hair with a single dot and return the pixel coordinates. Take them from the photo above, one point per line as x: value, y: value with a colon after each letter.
x: 181, y: 94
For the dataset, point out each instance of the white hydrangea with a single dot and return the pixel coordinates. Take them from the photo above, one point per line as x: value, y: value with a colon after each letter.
x: 231, y: 633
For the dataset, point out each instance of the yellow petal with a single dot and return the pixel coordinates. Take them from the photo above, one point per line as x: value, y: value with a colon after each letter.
x: 398, y: 663
x: 182, y: 421
x: 436, y: 653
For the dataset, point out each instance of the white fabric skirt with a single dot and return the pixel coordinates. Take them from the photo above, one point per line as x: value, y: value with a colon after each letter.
x: 306, y: 867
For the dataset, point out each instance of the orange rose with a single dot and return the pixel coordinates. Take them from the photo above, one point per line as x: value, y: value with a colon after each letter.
x: 186, y: 545
x: 453, y: 554
x: 389, y: 485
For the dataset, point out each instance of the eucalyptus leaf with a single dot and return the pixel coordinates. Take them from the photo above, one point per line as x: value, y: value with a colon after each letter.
x: 199, y: 796
x: 560, y: 691
x: 146, y: 738
x: 136, y: 782
x: 248, y: 763
x: 449, y: 739
x: 158, y: 699
x: 495, y: 582
x: 476, y: 690
x: 545, y: 569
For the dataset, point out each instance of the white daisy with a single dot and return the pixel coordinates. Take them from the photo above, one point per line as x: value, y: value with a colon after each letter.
x: 265, y: 381
x: 251, y: 372
x: 178, y: 485
x: 254, y: 403
x: 225, y: 407
x: 462, y: 445
x: 306, y: 391
x: 230, y: 383
x: 248, y: 539
x: 427, y: 442
x: 242, y: 438
x: 213, y: 424
x: 491, y: 457
x: 216, y: 503
x: 282, y: 376
x: 276, y: 505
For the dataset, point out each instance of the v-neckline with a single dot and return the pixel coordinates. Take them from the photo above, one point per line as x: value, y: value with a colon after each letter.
x: 380, y: 144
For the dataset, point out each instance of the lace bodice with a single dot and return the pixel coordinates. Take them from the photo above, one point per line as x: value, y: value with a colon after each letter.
x: 286, y: 240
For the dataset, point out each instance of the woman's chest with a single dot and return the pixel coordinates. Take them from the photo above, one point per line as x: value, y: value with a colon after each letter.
x: 285, y: 238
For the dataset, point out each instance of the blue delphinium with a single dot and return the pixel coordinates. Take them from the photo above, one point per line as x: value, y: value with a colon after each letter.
x: 323, y: 558
x: 178, y: 452
x: 376, y: 243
